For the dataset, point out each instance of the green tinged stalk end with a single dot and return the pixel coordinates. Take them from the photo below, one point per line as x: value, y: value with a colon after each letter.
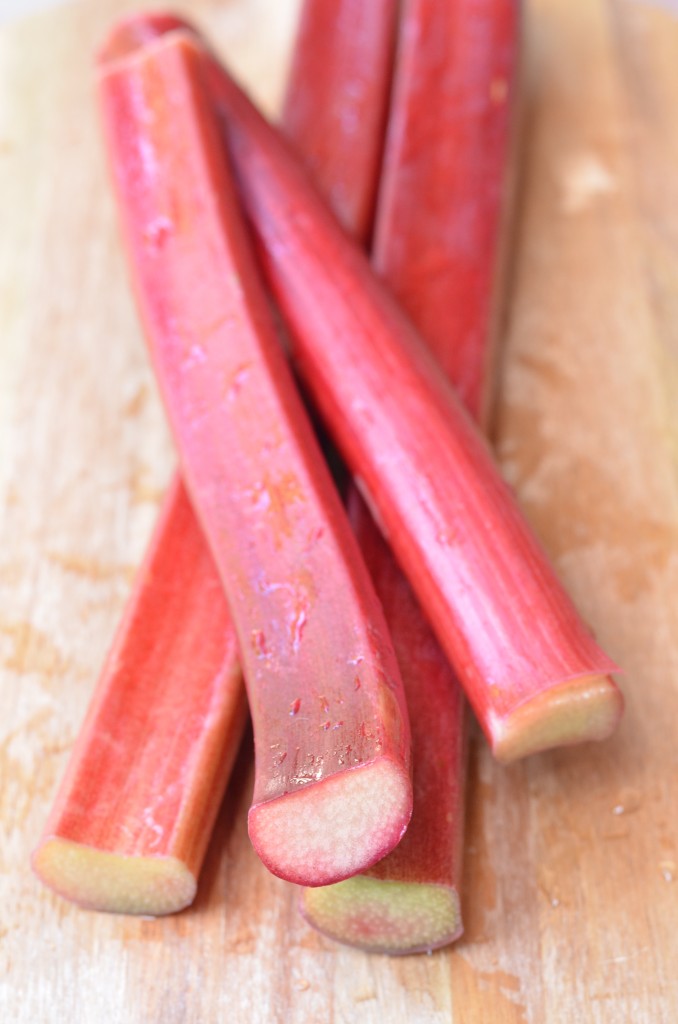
x: 587, y: 708
x: 100, y: 880
x: 384, y: 916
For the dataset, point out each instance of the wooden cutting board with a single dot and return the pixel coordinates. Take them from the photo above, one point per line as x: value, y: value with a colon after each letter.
x: 571, y: 898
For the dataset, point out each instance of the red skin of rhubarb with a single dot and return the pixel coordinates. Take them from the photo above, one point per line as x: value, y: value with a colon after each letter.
x: 449, y: 137
x: 338, y: 130
x: 324, y: 689
x: 130, y: 824
x: 532, y: 671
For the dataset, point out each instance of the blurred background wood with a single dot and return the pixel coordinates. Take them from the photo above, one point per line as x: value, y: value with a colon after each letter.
x: 571, y: 899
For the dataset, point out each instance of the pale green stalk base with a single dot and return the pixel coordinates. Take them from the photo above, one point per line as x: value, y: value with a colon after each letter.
x: 99, y: 880
x: 588, y: 708
x: 385, y: 917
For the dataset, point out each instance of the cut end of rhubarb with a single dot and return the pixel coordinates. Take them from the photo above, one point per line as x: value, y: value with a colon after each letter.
x: 369, y: 806
x: 133, y: 31
x: 99, y: 880
x: 588, y: 708
x: 385, y: 917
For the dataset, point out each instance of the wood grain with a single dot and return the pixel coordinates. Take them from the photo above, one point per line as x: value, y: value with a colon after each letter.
x: 571, y: 898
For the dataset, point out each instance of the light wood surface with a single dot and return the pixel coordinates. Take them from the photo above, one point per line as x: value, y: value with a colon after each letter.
x: 571, y: 899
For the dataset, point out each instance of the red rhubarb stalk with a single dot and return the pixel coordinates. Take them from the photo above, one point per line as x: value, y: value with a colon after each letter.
x: 442, y: 198
x: 410, y: 901
x: 449, y: 137
x: 130, y: 824
x: 332, y: 790
x: 336, y: 102
x: 531, y: 669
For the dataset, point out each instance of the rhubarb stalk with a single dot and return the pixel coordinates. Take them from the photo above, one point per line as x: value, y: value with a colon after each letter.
x: 410, y: 901
x: 336, y: 101
x: 332, y: 789
x: 442, y: 199
x: 450, y: 133
x: 130, y: 824
x: 532, y: 671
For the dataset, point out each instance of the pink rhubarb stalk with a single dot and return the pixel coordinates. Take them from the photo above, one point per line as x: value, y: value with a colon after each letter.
x: 130, y: 824
x: 442, y: 200
x: 332, y: 789
x: 450, y: 134
x: 337, y: 100
x: 410, y: 901
x: 531, y: 669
